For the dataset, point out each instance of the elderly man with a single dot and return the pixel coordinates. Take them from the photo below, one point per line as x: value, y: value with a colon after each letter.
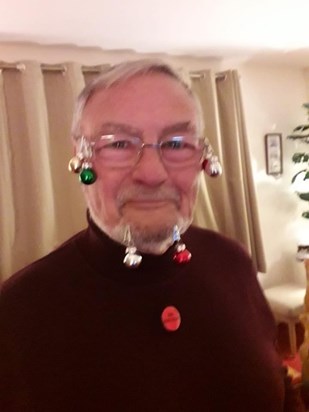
x: 139, y: 312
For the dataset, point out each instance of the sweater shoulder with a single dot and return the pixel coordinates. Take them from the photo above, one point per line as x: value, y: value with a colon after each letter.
x: 213, y: 252
x: 43, y: 268
x: 215, y: 242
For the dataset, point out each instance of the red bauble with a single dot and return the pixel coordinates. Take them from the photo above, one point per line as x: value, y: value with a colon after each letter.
x: 184, y: 256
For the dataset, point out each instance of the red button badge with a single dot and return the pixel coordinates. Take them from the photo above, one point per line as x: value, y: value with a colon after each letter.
x: 171, y: 318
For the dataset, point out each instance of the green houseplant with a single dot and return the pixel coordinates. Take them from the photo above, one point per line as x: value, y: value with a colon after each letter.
x: 300, y: 180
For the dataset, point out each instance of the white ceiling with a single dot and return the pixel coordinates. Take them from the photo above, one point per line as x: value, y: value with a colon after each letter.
x: 216, y: 28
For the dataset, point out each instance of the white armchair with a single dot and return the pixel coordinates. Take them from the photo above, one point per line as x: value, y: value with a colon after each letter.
x: 287, y: 303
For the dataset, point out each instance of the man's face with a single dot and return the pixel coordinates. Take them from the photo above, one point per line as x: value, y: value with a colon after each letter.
x: 149, y: 197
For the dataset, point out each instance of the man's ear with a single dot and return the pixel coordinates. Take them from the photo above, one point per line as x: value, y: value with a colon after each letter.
x: 74, y: 145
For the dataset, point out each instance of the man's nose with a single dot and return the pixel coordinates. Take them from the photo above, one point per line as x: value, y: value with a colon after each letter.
x: 150, y: 169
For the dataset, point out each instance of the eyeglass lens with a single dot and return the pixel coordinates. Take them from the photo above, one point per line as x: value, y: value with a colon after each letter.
x: 123, y: 150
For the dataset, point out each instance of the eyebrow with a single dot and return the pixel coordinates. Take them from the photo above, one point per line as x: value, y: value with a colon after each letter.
x: 178, y: 127
x: 113, y: 127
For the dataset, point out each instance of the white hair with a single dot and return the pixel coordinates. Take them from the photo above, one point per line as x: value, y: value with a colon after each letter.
x: 123, y: 72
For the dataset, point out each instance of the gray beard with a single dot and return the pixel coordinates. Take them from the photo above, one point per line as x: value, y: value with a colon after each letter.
x: 146, y: 240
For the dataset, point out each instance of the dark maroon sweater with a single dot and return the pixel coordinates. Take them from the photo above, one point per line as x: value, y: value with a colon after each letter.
x: 81, y: 332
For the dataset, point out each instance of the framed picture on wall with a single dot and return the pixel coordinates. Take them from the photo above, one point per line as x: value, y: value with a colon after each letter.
x: 273, y: 153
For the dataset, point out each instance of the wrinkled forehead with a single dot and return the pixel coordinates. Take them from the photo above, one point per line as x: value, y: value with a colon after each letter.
x: 147, y: 98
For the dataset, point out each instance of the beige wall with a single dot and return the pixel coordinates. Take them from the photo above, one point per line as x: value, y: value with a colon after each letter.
x: 272, y: 97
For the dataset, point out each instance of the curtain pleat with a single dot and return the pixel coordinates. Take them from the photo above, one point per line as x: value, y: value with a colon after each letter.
x: 254, y: 228
x: 33, y: 200
x: 7, y: 209
x: 41, y: 202
x: 209, y: 208
x: 90, y: 75
x: 33, y: 144
x: 61, y: 91
x: 232, y: 196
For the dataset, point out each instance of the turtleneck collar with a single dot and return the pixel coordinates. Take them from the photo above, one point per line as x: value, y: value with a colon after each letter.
x: 106, y: 257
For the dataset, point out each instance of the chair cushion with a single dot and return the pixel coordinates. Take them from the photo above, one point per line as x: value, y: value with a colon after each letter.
x: 286, y: 300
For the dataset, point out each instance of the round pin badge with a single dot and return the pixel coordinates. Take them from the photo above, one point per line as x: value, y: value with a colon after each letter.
x: 171, y: 319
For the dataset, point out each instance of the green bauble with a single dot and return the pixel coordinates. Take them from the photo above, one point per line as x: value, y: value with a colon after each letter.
x: 87, y: 176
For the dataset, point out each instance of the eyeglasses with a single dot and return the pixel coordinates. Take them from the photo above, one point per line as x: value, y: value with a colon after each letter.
x: 122, y: 150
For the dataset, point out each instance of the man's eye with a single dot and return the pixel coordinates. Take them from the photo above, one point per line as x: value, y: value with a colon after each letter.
x: 173, y: 144
x: 119, y: 144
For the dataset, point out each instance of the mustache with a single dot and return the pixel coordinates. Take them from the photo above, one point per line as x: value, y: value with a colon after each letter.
x: 146, y: 194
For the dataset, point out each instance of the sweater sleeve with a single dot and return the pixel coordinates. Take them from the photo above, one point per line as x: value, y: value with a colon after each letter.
x: 12, y: 388
x: 11, y: 396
